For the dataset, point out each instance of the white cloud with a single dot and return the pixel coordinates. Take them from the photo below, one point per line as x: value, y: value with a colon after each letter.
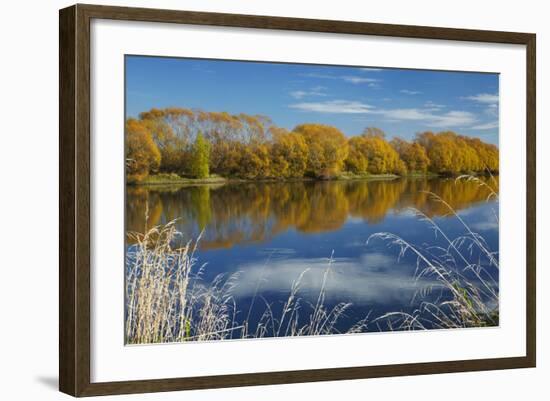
x: 315, y: 91
x: 366, y: 69
x: 298, y: 94
x: 492, y: 110
x: 448, y: 119
x: 316, y: 75
x: 334, y: 106
x: 485, y: 98
x: 454, y: 119
x: 347, y: 78
x: 406, y: 114
x: 435, y: 106
x: 490, y: 125
x: 358, y: 80
x: 409, y: 92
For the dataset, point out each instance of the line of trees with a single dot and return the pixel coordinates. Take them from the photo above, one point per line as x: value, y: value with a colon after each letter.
x: 196, y: 143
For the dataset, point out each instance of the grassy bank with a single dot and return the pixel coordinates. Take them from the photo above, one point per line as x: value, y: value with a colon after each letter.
x: 175, y: 179
x: 352, y: 176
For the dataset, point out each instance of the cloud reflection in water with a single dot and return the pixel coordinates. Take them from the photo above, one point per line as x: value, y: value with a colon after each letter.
x: 371, y: 278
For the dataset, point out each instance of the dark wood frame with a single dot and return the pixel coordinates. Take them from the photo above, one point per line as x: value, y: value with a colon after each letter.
x: 74, y: 199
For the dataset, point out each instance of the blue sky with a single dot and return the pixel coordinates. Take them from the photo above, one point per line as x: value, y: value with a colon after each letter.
x: 401, y: 102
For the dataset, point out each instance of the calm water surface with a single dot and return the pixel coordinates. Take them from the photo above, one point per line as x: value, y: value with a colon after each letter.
x: 272, y: 232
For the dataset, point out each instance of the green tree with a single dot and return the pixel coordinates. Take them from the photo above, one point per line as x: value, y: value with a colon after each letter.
x: 200, y: 157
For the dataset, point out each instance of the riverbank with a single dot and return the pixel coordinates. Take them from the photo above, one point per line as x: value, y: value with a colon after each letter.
x: 174, y: 179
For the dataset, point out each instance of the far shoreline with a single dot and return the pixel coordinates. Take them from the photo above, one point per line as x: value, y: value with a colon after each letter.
x: 173, y: 179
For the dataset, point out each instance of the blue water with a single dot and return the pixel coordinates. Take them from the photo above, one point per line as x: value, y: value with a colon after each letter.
x: 269, y: 234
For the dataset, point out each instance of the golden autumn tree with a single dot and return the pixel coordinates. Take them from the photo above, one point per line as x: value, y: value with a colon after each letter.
x: 229, y: 135
x: 441, y: 151
x: 250, y: 146
x: 357, y: 160
x: 488, y: 154
x: 171, y: 131
x: 374, y: 132
x: 382, y: 157
x: 175, y: 131
x: 220, y: 129
x: 289, y: 153
x: 450, y: 153
x: 413, y: 155
x: 254, y: 162
x: 327, y: 149
x: 142, y: 154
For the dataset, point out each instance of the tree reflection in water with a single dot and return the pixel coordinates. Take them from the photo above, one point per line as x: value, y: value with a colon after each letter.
x: 241, y: 213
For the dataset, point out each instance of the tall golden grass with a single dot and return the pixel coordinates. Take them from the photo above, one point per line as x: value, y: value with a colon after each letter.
x: 166, y: 300
x: 464, y: 267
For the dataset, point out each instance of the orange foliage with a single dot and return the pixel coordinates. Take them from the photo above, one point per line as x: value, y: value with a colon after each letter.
x: 251, y: 147
x: 142, y: 154
x: 327, y: 149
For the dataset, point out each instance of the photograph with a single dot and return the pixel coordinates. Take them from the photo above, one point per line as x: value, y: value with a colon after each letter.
x: 268, y: 199
x: 246, y: 201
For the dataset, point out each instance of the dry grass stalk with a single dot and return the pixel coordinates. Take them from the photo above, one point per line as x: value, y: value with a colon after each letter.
x: 166, y: 300
x: 464, y: 267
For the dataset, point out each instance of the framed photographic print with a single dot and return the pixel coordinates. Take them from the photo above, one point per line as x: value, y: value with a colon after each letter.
x: 250, y: 200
